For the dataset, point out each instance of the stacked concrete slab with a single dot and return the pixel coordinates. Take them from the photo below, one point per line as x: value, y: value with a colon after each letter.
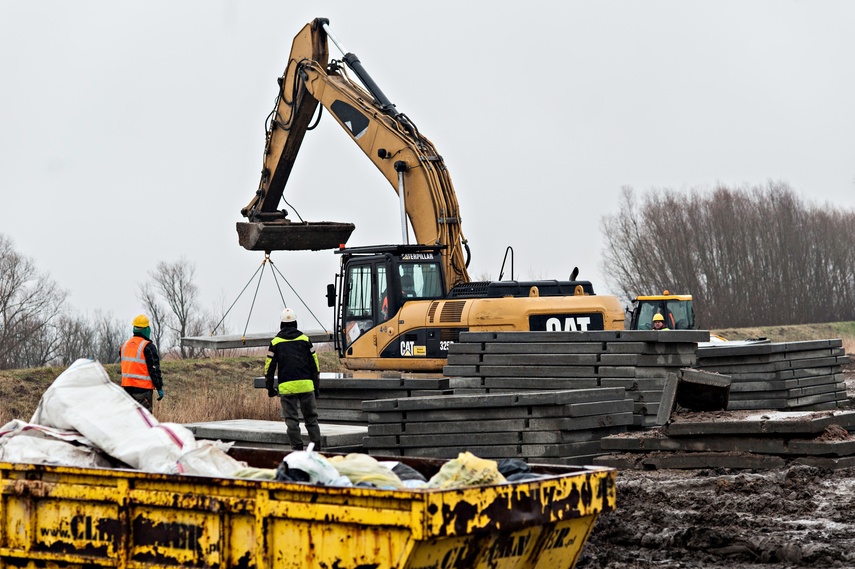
x: 781, y: 375
x: 252, y: 433
x: 559, y: 427
x: 738, y: 439
x: 341, y: 398
x: 515, y: 362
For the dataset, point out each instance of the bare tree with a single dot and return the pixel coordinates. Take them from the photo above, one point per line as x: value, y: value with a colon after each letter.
x: 78, y: 340
x: 158, y: 314
x: 110, y: 334
x: 42, y: 346
x: 750, y: 256
x: 174, y: 284
x: 77, y: 336
x: 30, y: 303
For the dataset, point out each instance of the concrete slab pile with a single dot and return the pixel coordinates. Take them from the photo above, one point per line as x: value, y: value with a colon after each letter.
x: 253, y: 433
x: 557, y: 427
x: 784, y: 375
x: 635, y: 360
x: 738, y: 439
x: 341, y: 398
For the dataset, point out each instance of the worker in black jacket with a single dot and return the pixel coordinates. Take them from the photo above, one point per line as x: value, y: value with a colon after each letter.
x: 292, y: 353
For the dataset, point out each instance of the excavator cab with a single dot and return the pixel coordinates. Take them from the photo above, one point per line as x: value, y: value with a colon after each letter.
x: 676, y: 308
x: 375, y: 283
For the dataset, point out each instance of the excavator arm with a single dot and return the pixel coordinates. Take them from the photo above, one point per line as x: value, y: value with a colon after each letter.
x: 406, y: 158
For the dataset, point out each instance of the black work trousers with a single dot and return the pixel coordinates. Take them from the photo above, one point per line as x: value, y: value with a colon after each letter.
x: 144, y: 398
x: 291, y: 405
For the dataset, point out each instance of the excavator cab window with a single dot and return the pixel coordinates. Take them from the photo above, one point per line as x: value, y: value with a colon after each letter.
x: 382, y: 293
x: 420, y: 280
x: 682, y: 313
x: 359, y: 313
x: 646, y: 310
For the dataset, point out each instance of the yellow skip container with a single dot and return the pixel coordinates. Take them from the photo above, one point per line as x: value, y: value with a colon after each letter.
x: 56, y: 516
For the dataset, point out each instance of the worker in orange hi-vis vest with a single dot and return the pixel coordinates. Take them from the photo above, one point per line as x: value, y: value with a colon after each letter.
x: 141, y: 365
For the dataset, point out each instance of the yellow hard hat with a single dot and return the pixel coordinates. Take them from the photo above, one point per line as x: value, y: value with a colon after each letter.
x: 658, y: 318
x: 141, y: 321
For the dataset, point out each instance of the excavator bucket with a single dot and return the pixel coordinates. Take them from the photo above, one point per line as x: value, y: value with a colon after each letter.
x: 287, y: 235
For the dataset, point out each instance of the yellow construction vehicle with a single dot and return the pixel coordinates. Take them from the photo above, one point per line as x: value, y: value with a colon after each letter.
x: 397, y: 307
x: 675, y: 308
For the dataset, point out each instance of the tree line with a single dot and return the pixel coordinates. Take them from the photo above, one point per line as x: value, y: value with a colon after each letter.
x: 755, y: 256
x: 38, y: 327
x: 752, y: 256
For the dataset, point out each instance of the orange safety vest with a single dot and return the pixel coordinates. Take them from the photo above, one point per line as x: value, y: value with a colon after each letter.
x: 134, y: 368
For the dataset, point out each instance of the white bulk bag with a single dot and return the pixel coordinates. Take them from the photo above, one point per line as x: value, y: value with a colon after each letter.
x: 37, y: 444
x: 84, y: 399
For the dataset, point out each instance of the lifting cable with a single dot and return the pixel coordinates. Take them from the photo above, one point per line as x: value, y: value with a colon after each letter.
x: 275, y: 268
x: 260, y: 272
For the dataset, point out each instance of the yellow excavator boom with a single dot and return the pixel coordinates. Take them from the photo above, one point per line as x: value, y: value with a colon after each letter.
x: 405, y: 157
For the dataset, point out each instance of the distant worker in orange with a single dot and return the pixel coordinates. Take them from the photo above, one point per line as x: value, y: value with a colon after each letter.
x: 141, y: 365
x: 659, y: 322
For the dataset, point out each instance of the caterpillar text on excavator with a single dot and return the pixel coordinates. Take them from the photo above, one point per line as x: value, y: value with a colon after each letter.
x: 397, y: 307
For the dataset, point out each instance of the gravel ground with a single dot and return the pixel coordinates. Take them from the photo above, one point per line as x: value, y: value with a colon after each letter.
x: 798, y: 516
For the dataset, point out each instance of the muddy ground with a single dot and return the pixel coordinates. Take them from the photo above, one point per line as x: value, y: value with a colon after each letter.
x: 798, y: 516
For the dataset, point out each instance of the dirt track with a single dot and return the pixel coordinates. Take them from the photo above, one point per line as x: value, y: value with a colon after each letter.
x: 798, y: 516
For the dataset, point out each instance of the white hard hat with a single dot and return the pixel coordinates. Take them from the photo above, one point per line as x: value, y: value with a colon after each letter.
x: 288, y: 315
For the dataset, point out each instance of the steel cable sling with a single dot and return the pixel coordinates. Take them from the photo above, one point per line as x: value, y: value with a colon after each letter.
x: 260, y: 272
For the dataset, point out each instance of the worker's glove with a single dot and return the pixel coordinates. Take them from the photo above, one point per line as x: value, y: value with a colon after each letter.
x: 159, y: 394
x: 271, y: 392
x: 317, y: 394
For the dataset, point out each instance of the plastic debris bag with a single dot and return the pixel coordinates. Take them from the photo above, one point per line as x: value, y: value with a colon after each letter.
x: 406, y: 473
x: 209, y: 458
x: 310, y: 467
x: 515, y: 469
x: 364, y: 469
x: 466, y: 470
x: 254, y: 473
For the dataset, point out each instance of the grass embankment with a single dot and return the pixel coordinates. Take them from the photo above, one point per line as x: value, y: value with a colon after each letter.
x: 209, y: 389
x: 220, y: 388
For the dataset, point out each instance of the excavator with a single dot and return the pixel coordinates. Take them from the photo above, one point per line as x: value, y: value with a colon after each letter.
x: 399, y: 306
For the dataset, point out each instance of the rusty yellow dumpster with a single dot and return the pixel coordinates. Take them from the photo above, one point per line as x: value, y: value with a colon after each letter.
x: 54, y: 516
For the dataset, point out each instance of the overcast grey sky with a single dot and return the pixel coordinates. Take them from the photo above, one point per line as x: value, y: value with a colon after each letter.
x: 132, y: 132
